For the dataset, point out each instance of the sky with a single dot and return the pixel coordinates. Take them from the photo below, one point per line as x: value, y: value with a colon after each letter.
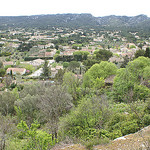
x: 97, y: 8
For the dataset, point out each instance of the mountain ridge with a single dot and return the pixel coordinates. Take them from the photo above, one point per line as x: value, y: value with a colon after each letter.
x: 73, y: 20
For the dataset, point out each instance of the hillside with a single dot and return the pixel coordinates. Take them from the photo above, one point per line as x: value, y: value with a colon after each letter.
x: 74, y: 20
x: 138, y: 140
x: 74, y: 81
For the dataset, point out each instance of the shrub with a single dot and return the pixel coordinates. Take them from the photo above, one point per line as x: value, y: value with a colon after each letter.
x: 115, y: 134
x: 146, y: 119
x: 36, y: 139
x: 128, y: 127
x: 84, y: 121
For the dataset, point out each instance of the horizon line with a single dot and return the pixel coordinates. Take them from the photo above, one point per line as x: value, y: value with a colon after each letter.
x: 70, y: 13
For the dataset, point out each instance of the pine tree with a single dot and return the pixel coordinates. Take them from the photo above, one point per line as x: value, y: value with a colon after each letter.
x: 147, y: 52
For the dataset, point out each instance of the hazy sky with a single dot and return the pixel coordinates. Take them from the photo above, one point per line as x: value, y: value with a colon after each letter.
x: 95, y: 7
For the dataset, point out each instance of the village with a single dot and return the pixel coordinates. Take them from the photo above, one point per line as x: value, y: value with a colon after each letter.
x: 24, y: 52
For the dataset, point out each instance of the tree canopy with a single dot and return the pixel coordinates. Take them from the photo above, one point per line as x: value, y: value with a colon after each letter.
x: 129, y: 80
x: 101, y: 71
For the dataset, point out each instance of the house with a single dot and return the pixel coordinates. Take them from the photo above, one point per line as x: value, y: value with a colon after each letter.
x: 16, y: 71
x: 41, y: 46
x: 69, y: 52
x: 91, y: 51
x: 130, y: 55
x: 49, y: 54
x: 115, y: 59
x: 42, y: 54
x: 59, y: 67
x: 37, y: 62
x: 8, y: 63
x: 53, y: 72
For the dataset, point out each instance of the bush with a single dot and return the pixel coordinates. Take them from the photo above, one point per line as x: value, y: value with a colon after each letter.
x: 141, y: 92
x: 129, y: 127
x: 146, y: 119
x: 84, y: 121
x: 115, y: 134
x: 36, y: 139
x: 7, y: 100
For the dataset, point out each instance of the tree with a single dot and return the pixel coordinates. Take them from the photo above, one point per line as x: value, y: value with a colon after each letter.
x: 147, y: 52
x: 7, y: 80
x: 139, y: 53
x: 72, y: 85
x: 140, y: 45
x: 28, y: 108
x: 136, y: 66
x: 57, y: 47
x: 146, y: 73
x: 101, y: 71
x: 57, y: 57
x: 7, y: 125
x: 86, y: 120
x: 73, y: 65
x: 35, y: 139
x: 53, y: 103
x: 59, y: 75
x: 1, y: 64
x: 123, y: 84
x: 90, y: 62
x: 125, y: 62
x: 58, y: 52
x: 80, y: 55
x: 46, y: 70
x: 132, y: 46
x: 65, y: 64
x: 2, y: 72
x: 127, y: 83
x: 44, y: 102
x: 7, y: 100
x: 29, y: 67
x: 103, y: 54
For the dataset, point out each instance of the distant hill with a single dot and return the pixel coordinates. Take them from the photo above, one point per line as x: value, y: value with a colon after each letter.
x: 75, y: 21
x: 44, y: 21
x: 122, y: 20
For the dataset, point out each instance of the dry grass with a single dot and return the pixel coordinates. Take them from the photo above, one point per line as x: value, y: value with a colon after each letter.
x: 70, y: 147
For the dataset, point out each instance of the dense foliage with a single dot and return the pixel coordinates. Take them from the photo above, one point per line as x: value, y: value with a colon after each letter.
x: 92, y: 99
x: 43, y: 114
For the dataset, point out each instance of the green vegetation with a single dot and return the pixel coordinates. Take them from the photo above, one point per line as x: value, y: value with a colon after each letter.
x: 128, y: 84
x: 46, y: 69
x: 96, y: 88
x: 96, y: 75
x: 88, y: 111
